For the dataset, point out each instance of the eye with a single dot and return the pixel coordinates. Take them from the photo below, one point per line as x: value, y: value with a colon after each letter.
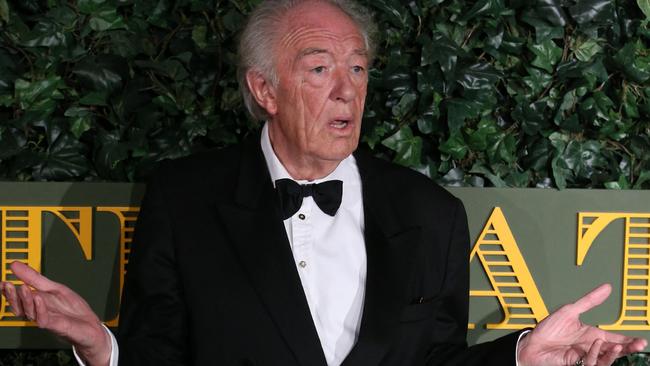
x: 357, y: 69
x: 318, y: 69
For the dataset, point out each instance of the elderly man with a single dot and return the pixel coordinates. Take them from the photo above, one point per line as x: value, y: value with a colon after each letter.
x: 293, y: 249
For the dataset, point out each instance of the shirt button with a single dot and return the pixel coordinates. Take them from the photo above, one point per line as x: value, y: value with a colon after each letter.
x: 302, y: 264
x: 301, y: 216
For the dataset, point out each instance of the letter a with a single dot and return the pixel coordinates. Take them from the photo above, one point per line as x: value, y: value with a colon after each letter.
x: 511, y: 281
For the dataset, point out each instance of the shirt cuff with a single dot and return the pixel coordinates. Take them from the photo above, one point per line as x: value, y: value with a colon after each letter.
x: 115, y: 351
x: 521, y: 335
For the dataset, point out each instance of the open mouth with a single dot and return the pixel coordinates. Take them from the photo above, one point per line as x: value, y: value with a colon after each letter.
x: 340, y: 123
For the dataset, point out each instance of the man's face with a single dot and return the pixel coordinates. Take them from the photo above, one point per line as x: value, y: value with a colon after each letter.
x: 321, y: 63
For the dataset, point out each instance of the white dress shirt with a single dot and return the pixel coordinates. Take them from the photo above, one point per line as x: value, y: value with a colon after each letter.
x: 330, y: 256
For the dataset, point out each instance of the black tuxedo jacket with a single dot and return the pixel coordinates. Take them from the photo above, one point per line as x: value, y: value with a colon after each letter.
x: 212, y: 281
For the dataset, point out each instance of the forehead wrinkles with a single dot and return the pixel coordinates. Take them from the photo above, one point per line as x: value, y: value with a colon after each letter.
x: 299, y: 34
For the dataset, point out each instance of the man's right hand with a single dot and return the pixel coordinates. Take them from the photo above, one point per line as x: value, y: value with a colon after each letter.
x: 60, y: 310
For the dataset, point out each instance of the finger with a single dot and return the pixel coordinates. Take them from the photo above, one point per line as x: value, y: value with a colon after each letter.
x: 592, y: 299
x: 27, y: 301
x: 591, y: 359
x: 635, y: 345
x: 608, y: 357
x: 10, y: 293
x: 32, y: 278
x: 630, y: 344
x: 42, y: 315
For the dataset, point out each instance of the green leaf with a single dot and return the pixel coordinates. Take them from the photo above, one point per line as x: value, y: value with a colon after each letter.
x: 404, y: 106
x: 644, y: 5
x: 80, y: 120
x: 493, y: 178
x: 478, y: 76
x: 543, y: 29
x: 198, y: 36
x: 103, y: 74
x: 593, y: 11
x: 634, y: 60
x: 547, y: 54
x: 27, y: 93
x: 105, y: 20
x: 622, y: 183
x: 63, y: 159
x: 90, y: 6
x: 455, y: 147
x: 586, y: 50
x: 551, y: 11
x: 94, y: 98
x: 478, y: 140
x: 6, y: 100
x: 445, y: 52
x: 4, y: 11
x: 44, y: 34
x: 459, y: 110
x: 407, y: 147
x: 485, y: 7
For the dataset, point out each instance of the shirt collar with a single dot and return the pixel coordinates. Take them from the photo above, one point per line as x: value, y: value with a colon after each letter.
x: 346, y: 171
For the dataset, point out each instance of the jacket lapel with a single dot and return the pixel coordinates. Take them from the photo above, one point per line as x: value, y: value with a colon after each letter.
x: 390, y: 250
x: 257, y: 231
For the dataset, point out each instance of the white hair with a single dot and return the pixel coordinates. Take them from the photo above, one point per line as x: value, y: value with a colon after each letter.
x: 261, y: 32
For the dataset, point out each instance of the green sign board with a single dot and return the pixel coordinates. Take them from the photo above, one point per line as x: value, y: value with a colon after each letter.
x: 533, y: 250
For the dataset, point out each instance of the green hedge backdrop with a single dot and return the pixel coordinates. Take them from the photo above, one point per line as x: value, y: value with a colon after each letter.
x: 506, y: 93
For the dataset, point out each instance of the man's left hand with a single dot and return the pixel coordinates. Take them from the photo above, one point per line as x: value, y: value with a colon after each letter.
x: 563, y: 340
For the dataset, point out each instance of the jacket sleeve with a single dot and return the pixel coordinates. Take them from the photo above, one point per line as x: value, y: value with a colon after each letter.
x: 449, y: 346
x: 153, y: 316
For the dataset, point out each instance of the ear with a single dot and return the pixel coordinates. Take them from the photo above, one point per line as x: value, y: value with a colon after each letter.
x: 262, y: 91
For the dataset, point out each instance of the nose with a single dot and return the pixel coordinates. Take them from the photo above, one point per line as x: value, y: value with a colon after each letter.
x: 344, y: 89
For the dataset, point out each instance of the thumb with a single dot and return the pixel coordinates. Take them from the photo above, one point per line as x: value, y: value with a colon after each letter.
x: 593, y: 298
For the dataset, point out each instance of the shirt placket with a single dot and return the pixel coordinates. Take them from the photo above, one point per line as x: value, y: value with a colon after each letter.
x: 302, y: 233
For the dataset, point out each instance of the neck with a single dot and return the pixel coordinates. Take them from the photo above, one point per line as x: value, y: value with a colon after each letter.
x: 301, y: 167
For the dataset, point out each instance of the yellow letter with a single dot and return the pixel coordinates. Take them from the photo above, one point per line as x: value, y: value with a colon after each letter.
x: 127, y: 217
x: 511, y: 282
x: 635, y: 313
x: 21, y: 241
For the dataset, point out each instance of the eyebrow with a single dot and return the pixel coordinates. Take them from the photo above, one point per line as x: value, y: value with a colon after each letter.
x: 315, y: 51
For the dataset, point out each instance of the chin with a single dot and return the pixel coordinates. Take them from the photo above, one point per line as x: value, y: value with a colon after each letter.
x: 339, y: 153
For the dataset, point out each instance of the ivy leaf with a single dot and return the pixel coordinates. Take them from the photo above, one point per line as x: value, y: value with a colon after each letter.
x: 644, y: 5
x: 199, y: 36
x: 633, y: 59
x: 585, y: 11
x: 4, y: 11
x: 103, y: 74
x: 80, y: 120
x: 407, y: 147
x: 622, y: 183
x: 493, y: 178
x: 44, y: 34
x: 445, y: 53
x: 552, y: 12
x: 27, y: 93
x: 484, y: 7
x: 586, y: 50
x: 547, y: 55
x: 90, y: 6
x: 63, y: 158
x: 459, y: 110
x: 543, y: 29
x: 478, y: 76
x: 404, y: 106
x: 455, y: 147
x: 105, y: 20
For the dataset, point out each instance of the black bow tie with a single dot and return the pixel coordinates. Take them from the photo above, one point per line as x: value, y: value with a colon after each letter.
x: 327, y: 195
